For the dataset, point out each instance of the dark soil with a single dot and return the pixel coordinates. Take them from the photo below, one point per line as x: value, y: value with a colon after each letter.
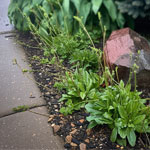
x: 74, y: 125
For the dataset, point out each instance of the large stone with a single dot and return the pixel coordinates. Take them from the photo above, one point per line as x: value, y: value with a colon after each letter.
x: 124, y: 48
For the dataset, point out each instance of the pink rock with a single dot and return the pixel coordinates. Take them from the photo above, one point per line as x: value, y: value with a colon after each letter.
x: 121, y: 45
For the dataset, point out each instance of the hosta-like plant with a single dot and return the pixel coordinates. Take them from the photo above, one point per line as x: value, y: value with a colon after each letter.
x: 63, y: 11
x: 87, y: 10
x: 123, y: 111
x: 17, y: 9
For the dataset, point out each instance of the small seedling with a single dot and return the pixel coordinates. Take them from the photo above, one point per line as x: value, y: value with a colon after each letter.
x: 36, y: 57
x: 21, y: 108
x: 24, y: 70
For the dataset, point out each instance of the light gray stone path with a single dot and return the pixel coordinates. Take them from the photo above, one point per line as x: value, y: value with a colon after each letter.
x: 5, y: 25
x: 15, y: 88
x: 25, y: 130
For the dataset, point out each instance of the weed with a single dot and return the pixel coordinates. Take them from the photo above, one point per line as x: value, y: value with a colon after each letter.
x: 24, y: 70
x: 122, y: 110
x: 81, y: 87
x: 20, y: 108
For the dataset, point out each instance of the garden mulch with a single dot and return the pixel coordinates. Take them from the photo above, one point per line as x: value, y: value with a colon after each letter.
x: 72, y: 128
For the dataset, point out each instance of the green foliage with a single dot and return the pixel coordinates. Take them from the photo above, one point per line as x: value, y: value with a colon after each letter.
x: 87, y: 10
x: 64, y: 45
x: 62, y: 12
x: 81, y: 87
x: 122, y: 110
x: 20, y: 108
x: 18, y: 8
x: 44, y: 61
x: 86, y: 59
x: 136, y: 8
x: 24, y: 70
x: 36, y: 57
x: 59, y: 85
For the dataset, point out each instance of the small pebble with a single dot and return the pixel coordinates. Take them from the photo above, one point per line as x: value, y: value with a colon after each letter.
x: 72, y: 125
x: 50, y: 119
x: 61, y: 122
x: 61, y: 115
x: 57, y: 97
x: 81, y: 120
x: 88, y: 131
x: 73, y: 132
x: 73, y: 144
x: 87, y: 140
x: 56, y: 128
x: 82, y: 146
x: 55, y: 106
x: 49, y: 103
x: 68, y: 138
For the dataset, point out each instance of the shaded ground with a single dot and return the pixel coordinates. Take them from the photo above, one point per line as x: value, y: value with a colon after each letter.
x: 72, y: 126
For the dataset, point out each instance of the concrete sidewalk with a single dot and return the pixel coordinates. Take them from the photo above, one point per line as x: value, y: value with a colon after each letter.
x: 23, y: 130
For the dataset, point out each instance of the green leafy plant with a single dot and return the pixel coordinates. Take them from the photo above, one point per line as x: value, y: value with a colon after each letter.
x: 62, y: 12
x: 21, y: 108
x: 64, y: 45
x: 87, y: 10
x: 122, y: 110
x: 86, y: 59
x: 44, y: 61
x: 25, y: 70
x: 17, y: 9
x: 81, y: 87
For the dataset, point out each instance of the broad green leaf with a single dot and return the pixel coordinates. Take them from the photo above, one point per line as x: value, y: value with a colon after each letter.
x: 122, y: 132
x: 84, y: 10
x: 105, y: 18
x: 82, y: 95
x: 122, y: 112
x: 113, y: 135
x: 26, y: 10
x: 139, y: 119
x: 121, y: 84
x: 66, y: 6
x: 25, y: 3
x: 89, y: 85
x: 96, y: 4
x: 64, y: 97
x: 92, y: 124
x: 102, y: 120
x: 90, y: 108
x: 77, y: 4
x: 107, y: 115
x: 122, y: 142
x: 120, y: 20
x: 111, y: 8
x: 47, y: 7
x: 81, y: 86
x: 131, y: 137
x: 36, y: 2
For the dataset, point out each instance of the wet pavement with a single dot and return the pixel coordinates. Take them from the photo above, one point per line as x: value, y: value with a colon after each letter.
x: 15, y: 87
x: 4, y: 21
x: 24, y: 130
